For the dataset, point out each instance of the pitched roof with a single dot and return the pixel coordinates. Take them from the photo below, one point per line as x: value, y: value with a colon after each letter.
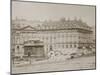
x: 28, y: 28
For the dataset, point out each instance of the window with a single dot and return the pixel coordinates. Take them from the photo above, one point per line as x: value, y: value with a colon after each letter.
x: 47, y: 38
x: 70, y: 46
x: 59, y: 46
x: 55, y: 45
x: 42, y: 38
x: 13, y: 51
x: 75, y: 45
x: 66, y: 46
x: 54, y: 37
x: 62, y: 45
x: 17, y: 47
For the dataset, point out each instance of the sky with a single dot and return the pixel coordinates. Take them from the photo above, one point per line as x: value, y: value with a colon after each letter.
x: 51, y: 11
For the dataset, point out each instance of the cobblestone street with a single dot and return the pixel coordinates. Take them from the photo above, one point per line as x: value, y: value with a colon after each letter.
x: 71, y: 64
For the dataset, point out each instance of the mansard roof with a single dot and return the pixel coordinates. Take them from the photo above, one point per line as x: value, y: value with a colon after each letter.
x: 69, y: 24
x: 53, y: 25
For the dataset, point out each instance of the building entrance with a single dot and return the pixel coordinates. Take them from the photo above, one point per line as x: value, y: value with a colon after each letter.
x: 34, y: 48
x: 35, y: 51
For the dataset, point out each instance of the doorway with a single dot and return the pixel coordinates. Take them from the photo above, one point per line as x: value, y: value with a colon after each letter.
x: 34, y: 51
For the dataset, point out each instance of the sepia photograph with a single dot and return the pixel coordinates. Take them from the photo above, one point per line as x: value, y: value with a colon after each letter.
x: 52, y: 37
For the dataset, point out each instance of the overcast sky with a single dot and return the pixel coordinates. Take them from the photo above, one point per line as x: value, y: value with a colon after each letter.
x: 45, y: 11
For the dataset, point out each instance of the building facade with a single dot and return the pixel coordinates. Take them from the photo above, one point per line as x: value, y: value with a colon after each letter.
x: 39, y: 38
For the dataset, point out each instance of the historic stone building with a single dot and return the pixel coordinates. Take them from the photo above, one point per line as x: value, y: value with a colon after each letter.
x: 39, y: 38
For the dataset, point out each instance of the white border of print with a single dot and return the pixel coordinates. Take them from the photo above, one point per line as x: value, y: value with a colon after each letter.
x: 5, y: 37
